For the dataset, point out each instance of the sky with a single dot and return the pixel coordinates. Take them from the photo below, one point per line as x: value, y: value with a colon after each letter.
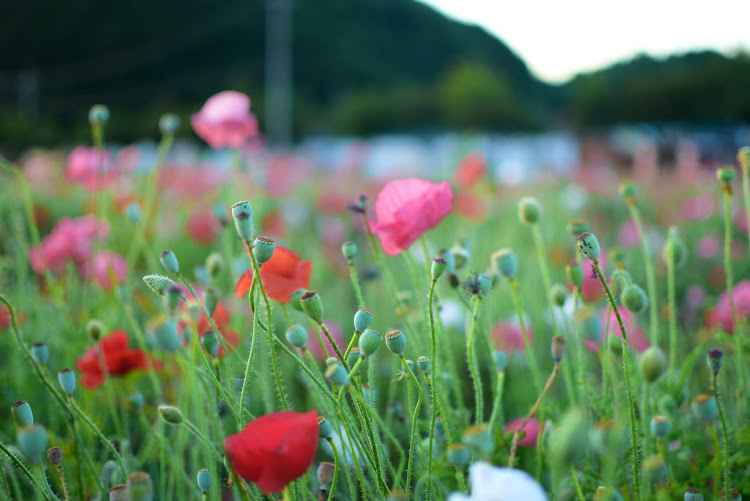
x: 560, y: 38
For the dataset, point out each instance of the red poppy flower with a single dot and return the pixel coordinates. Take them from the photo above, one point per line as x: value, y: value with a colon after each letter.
x: 282, y: 275
x: 221, y: 319
x: 470, y: 170
x: 119, y: 357
x: 274, y: 449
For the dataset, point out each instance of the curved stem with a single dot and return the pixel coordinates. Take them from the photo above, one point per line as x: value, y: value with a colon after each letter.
x: 628, y: 388
x: 479, y: 410
x: 412, y: 448
x: 725, y: 435
x: 22, y: 467
x: 497, y: 407
x: 46, y: 483
x: 332, y: 487
x: 650, y: 280
x: 243, y: 391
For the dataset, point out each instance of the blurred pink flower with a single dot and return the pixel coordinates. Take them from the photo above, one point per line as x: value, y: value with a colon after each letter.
x: 636, y: 338
x: 740, y: 220
x: 406, y: 209
x: 708, y: 247
x: 284, y: 173
x: 508, y: 336
x: 225, y: 120
x: 105, y: 266
x: 695, y: 296
x: 470, y: 206
x: 314, y: 345
x: 628, y: 235
x: 697, y: 208
x: 721, y: 314
x: 192, y: 182
x: 592, y: 289
x: 202, y: 226
x: 95, y: 170
x: 42, y: 172
x: 531, y: 429
x: 71, y: 240
x: 470, y: 170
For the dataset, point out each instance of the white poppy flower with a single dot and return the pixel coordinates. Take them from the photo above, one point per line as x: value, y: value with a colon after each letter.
x: 490, y: 483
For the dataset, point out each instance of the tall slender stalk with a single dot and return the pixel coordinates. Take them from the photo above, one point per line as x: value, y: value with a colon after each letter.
x: 650, y: 280
x: 725, y: 435
x: 672, y: 303
x: 473, y: 366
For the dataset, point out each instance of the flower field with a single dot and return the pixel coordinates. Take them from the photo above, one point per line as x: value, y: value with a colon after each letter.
x: 261, y: 327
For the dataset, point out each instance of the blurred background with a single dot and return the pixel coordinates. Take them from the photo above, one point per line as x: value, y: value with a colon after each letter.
x: 532, y: 84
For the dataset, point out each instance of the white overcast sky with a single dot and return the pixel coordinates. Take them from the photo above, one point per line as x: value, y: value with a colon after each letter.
x: 559, y: 38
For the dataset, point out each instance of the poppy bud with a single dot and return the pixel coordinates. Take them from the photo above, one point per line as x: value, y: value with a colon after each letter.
x: 40, y: 352
x: 158, y: 283
x: 369, y: 342
x: 558, y: 348
x: 136, y: 402
x: 500, y: 359
x: 297, y: 336
x: 458, y: 455
x: 704, y: 407
x: 204, y: 480
x: 726, y: 174
x: 313, y: 305
x: 558, y: 295
x: 652, y: 364
x: 169, y: 123
x: 67, y: 380
x: 210, y: 342
x: 529, y: 210
x: 423, y: 363
x: 614, y: 345
x: 263, y: 249
x: 295, y: 299
x: 450, y: 260
x: 170, y: 414
x: 55, y: 455
x: 693, y: 494
x: 479, y: 438
x: 119, y: 493
x: 438, y: 267
x: 628, y: 191
x: 362, y: 319
x: 169, y: 259
x: 32, y: 440
x: 461, y: 257
x: 354, y: 355
x: 484, y: 283
x: 140, y: 487
x: 575, y: 274
x: 734, y: 495
x: 22, y: 414
x: 395, y: 341
x: 242, y: 213
x: 714, y: 358
x: 133, y: 213
x: 210, y: 299
x: 575, y: 228
x: 336, y: 373
x: 505, y: 263
x: 98, y: 115
x: 655, y: 470
x: 95, y: 329
x: 589, y: 245
x: 634, y: 298
x: 325, y: 474
x: 349, y: 250
x: 675, y: 249
x: 324, y: 428
x: 215, y: 264
x: 660, y: 426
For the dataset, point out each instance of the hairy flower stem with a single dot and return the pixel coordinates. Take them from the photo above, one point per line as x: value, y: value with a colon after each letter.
x: 413, y: 434
x: 717, y: 459
x: 433, y: 360
x: 23, y: 469
x: 497, y: 407
x: 332, y: 487
x: 246, y: 379
x: 473, y: 366
x: 745, y: 164
x: 46, y: 483
x: 62, y: 481
x: 725, y: 435
x: 628, y: 388
x: 650, y: 280
x: 672, y: 305
x: 355, y: 284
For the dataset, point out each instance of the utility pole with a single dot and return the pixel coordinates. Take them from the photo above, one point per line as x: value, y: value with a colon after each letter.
x: 278, y: 92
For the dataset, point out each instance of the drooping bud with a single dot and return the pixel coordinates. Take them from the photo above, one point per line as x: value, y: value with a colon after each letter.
x: 369, y: 342
x: 395, y: 341
x: 171, y: 414
x: 204, y: 479
x: 529, y: 210
x: 67, y: 380
x: 589, y: 245
x: 40, y: 352
x: 423, y: 363
x: 22, y: 414
x: 325, y: 429
x: 95, y: 329
x: 652, y: 363
x: 263, y: 249
x: 158, y: 283
x: 714, y: 357
x: 634, y: 299
x: 558, y: 348
x: 349, y: 250
x: 313, y: 305
x: 169, y: 123
x: 55, y: 455
x: 99, y: 115
x: 362, y: 319
x: 438, y: 267
x: 297, y: 336
x: 242, y: 212
x: 325, y: 474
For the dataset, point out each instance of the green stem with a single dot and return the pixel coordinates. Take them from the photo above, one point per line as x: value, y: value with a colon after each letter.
x: 725, y: 435
x: 672, y: 305
x: 497, y: 407
x: 650, y: 280
x: 540, y: 254
x: 433, y: 360
x: 355, y: 284
x: 473, y: 367
x: 332, y: 487
x: 412, y: 448
x: 628, y: 388
x: 46, y: 483
x: 717, y: 459
x: 22, y: 467
x: 246, y: 379
x: 514, y: 288
x: 746, y: 193
x: 577, y: 485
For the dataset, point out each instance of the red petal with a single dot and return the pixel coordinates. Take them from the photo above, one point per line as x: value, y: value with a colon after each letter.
x: 243, y: 284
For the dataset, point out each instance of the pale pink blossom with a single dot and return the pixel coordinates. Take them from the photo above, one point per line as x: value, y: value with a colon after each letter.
x: 71, y: 240
x: 202, y: 226
x: 508, y: 336
x: 636, y: 338
x: 314, y: 345
x: 531, y: 429
x: 721, y: 315
x: 708, y: 247
x: 225, y: 120
x: 95, y: 170
x: 105, y: 267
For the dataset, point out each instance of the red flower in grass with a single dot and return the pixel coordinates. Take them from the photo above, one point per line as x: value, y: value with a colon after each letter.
x: 120, y: 358
x: 274, y: 449
x: 221, y: 319
x: 281, y: 275
x: 406, y: 209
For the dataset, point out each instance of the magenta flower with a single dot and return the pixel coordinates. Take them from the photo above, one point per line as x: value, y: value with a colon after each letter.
x: 95, y: 170
x: 708, y: 247
x: 105, y: 267
x: 70, y: 241
x: 508, y: 336
x: 531, y: 429
x: 406, y: 209
x: 225, y: 120
x: 721, y: 315
x: 636, y: 338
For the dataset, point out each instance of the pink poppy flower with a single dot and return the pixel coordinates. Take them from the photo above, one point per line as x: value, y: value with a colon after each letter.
x: 71, y: 240
x: 202, y: 226
x: 508, y: 336
x: 284, y: 173
x: 225, y: 120
x: 95, y: 170
x: 314, y: 345
x: 192, y: 182
x: 708, y: 247
x: 636, y: 338
x: 105, y: 266
x: 406, y: 209
x: 592, y: 289
x: 531, y: 429
x: 697, y: 208
x: 628, y: 235
x: 721, y: 315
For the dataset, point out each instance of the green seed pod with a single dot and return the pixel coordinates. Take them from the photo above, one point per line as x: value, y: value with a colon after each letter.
x: 652, y: 363
x: 204, y: 479
x: 242, y: 213
x: 589, y: 245
x: 354, y: 355
x: 140, y: 487
x: 693, y: 494
x: 169, y: 123
x: 325, y: 429
x: 215, y: 265
x: 655, y: 470
x: 32, y: 440
x: 369, y: 342
x: 575, y: 228
x: 119, y: 493
x: 313, y: 305
x: 726, y: 175
x: 95, y: 329
x: 575, y: 274
x: 336, y: 373
x: 22, y: 414
x: 325, y: 474
x: 211, y: 344
x: 40, y: 352
x: 99, y: 114
x: 628, y: 191
x: 297, y: 336
x: 558, y: 348
x: 55, y: 455
x: 295, y: 299
x: 500, y: 359
x: 263, y: 249
x: 484, y: 283
x: 505, y: 263
x: 634, y: 299
x: 169, y: 259
x: 559, y: 294
x: 704, y: 407
x: 675, y: 248
x: 349, y: 250
x: 438, y: 267
x: 67, y: 380
x: 660, y: 426
x: 423, y: 363
x: 362, y: 319
x: 170, y: 414
x: 529, y: 210
x: 479, y: 438
x: 395, y: 341
x: 458, y: 455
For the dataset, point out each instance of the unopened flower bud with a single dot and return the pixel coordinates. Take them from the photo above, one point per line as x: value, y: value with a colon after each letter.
x: 22, y: 414
x: 169, y: 259
x: 529, y: 210
x: 95, y: 329
x: 655, y: 470
x: 32, y: 440
x: 349, y: 250
x: 558, y: 348
x: 263, y: 249
x: 242, y: 213
x: 336, y: 373
x: 505, y: 263
x: 558, y: 295
x: 652, y: 363
x: 726, y: 174
x: 589, y: 245
x: 211, y: 344
x: 67, y: 380
x: 395, y: 341
x: 99, y: 114
x: 169, y: 123
x: 458, y: 455
x: 204, y: 479
x: 297, y: 336
x: 704, y: 407
x: 313, y: 305
x: 325, y: 430
x: 714, y: 357
x: 158, y: 283
x: 325, y: 474
x: 438, y: 267
x: 628, y: 191
x: 171, y: 414
x: 369, y: 342
x: 362, y: 319
x: 634, y: 299
x: 295, y: 299
x: 423, y: 363
x: 40, y: 352
x: 215, y: 265
x: 660, y: 426
x: 575, y: 274
x: 55, y: 455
